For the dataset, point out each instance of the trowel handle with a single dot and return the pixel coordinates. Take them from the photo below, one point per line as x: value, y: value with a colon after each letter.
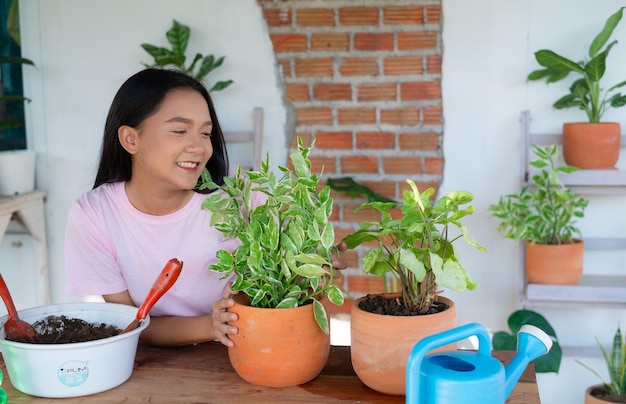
x: 431, y: 342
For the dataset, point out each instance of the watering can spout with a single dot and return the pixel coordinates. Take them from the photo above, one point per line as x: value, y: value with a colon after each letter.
x: 532, y: 342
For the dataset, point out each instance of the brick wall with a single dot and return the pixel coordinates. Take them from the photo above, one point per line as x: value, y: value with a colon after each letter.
x: 363, y: 79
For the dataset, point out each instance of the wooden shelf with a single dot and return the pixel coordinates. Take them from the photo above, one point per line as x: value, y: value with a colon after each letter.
x: 601, y: 289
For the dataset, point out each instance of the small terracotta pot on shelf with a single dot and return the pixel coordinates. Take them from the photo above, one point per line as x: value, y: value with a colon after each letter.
x: 556, y: 264
x: 591, y: 145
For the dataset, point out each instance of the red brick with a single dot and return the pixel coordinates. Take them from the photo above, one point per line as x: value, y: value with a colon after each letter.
x: 402, y: 165
x: 417, y: 40
x: 359, y: 67
x: 373, y: 41
x: 418, y: 141
x: 432, y: 116
x: 327, y: 165
x: 332, y: 91
x: 315, y: 17
x: 366, y: 284
x: 330, y: 42
x: 277, y: 17
x: 314, y: 116
x: 400, y: 116
x: 333, y: 140
x: 358, y: 16
x: 359, y: 115
x: 359, y: 164
x: 314, y: 67
x: 434, y: 165
x: 433, y: 64
x: 374, y: 140
x: 288, y: 42
x: 396, y: 65
x: 297, y: 92
x: 377, y: 92
x: 423, y: 90
x: 433, y: 14
x: 404, y: 15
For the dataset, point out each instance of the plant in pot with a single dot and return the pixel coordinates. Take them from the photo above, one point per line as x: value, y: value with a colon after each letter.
x: 593, y: 144
x: 283, y: 268
x: 17, y: 166
x: 178, y: 38
x: 543, y: 214
x: 614, y: 390
x: 416, y: 248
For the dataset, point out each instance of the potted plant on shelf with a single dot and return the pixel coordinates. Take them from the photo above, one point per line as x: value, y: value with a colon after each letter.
x: 416, y: 248
x: 17, y: 166
x: 614, y: 390
x: 543, y: 215
x: 283, y: 267
x: 178, y: 38
x: 593, y: 144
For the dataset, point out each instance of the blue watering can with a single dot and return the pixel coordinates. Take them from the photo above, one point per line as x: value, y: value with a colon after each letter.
x: 469, y: 377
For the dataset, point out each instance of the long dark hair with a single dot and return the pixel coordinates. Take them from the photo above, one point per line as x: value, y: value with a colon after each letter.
x: 138, y: 98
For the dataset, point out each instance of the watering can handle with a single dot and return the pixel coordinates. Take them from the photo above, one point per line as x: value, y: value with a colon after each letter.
x: 431, y: 342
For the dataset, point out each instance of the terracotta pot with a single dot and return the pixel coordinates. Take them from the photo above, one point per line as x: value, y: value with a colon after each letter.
x: 560, y: 264
x: 278, y: 347
x: 591, y: 145
x: 589, y: 399
x: 380, y: 345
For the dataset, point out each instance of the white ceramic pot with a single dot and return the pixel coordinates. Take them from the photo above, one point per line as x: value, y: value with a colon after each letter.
x: 77, y: 369
x: 17, y: 171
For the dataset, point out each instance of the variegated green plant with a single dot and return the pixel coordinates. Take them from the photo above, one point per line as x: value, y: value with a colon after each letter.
x: 417, y: 248
x: 287, y: 243
x: 615, y: 361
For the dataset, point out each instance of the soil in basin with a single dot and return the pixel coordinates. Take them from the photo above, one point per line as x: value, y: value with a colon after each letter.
x: 66, y: 330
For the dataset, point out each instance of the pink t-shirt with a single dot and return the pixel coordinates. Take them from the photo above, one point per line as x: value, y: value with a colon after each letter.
x: 110, y: 247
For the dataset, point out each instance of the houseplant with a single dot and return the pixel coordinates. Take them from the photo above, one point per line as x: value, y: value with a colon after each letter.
x: 543, y: 214
x: 592, y: 144
x: 283, y: 266
x: 614, y: 390
x: 178, y: 38
x: 416, y: 248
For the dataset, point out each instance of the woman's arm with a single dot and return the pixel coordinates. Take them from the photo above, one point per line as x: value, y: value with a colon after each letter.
x: 171, y: 330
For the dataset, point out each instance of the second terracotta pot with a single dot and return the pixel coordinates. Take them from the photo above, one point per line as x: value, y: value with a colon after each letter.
x: 560, y: 264
x: 380, y: 344
x: 278, y: 347
x: 591, y: 145
x: 589, y: 399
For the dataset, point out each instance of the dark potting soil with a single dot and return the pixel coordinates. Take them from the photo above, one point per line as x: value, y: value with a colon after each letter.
x: 66, y: 330
x: 602, y: 394
x: 394, y: 307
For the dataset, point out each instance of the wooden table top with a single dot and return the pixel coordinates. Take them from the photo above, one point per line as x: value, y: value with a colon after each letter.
x: 202, y: 374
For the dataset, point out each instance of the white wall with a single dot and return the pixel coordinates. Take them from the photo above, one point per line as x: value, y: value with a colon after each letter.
x: 488, y: 52
x: 85, y: 49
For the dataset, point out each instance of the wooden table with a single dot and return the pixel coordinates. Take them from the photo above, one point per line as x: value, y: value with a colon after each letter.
x: 202, y: 374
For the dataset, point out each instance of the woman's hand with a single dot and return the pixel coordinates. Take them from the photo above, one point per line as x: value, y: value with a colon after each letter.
x: 337, y: 263
x: 221, y: 317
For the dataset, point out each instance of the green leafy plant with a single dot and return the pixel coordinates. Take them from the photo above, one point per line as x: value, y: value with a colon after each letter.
x: 585, y: 93
x: 615, y: 361
x: 350, y: 187
x: 417, y: 248
x: 545, y: 211
x: 502, y: 340
x: 178, y: 37
x: 287, y: 243
x: 9, y: 123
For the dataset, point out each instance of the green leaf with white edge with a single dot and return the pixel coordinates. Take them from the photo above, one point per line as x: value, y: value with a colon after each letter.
x: 287, y: 303
x: 335, y: 295
x: 320, y: 316
x: 310, y: 259
x: 309, y: 270
x: 449, y: 274
x: 409, y: 261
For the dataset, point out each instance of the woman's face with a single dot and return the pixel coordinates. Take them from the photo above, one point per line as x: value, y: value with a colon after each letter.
x: 174, y: 143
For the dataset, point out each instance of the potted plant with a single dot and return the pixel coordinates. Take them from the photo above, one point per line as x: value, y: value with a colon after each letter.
x: 17, y: 166
x: 283, y: 266
x: 613, y: 391
x: 543, y: 215
x: 178, y: 38
x: 592, y: 144
x: 416, y: 247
